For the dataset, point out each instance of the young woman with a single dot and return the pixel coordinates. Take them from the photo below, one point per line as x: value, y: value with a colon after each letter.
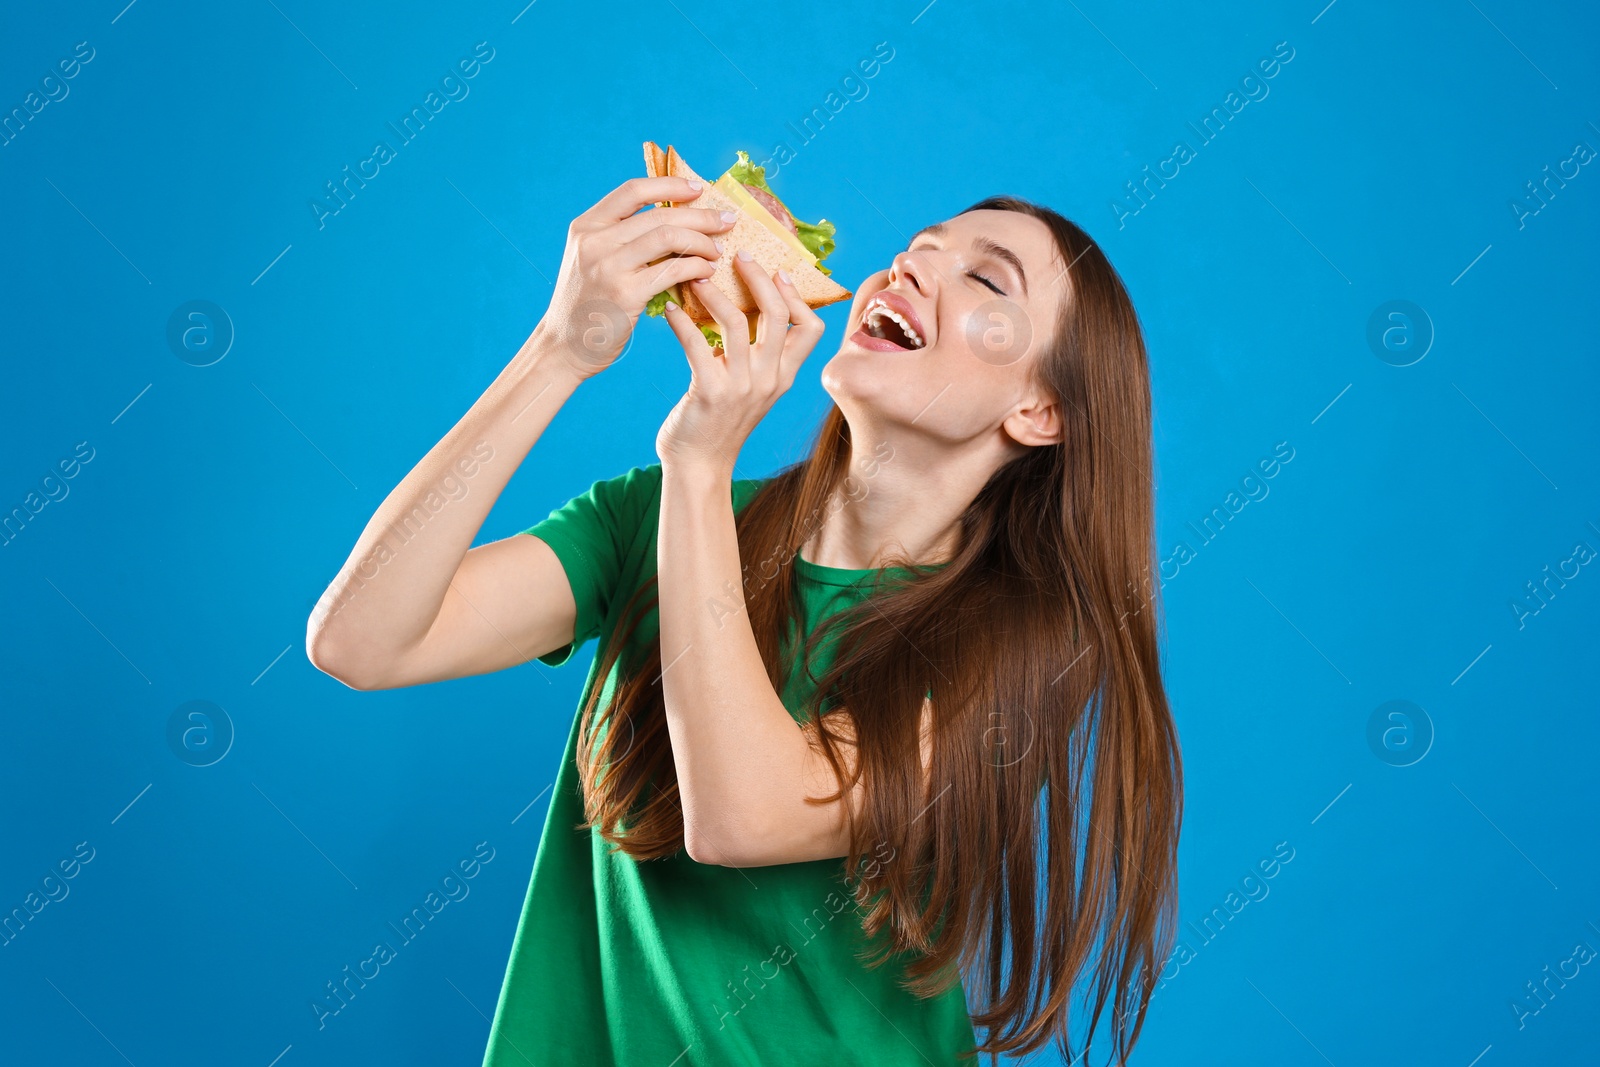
x: 874, y: 750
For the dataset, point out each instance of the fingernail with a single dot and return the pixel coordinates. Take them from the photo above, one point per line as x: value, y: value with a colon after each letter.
x: 783, y: 276
x: 744, y: 255
x: 718, y: 244
x: 671, y: 306
x: 694, y: 185
x: 730, y: 216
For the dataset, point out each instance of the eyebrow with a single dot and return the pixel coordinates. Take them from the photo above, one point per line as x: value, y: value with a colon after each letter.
x: 983, y: 245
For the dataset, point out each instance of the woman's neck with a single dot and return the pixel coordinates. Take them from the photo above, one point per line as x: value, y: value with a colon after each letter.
x: 894, y: 507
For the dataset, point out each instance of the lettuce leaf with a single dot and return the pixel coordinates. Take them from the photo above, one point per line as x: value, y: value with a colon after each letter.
x: 658, y: 307
x: 658, y: 304
x: 818, y: 239
x: 747, y: 173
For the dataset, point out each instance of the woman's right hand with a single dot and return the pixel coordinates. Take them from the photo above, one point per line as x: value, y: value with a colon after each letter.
x: 609, y: 270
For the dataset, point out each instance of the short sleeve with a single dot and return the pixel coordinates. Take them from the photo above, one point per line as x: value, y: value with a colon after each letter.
x: 591, y: 535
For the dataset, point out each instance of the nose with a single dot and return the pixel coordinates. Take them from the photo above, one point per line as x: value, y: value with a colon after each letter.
x: 911, y: 267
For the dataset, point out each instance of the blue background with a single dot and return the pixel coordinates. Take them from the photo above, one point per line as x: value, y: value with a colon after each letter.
x: 1382, y: 564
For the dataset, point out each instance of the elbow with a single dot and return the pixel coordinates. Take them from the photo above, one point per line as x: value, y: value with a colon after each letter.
x: 327, y: 656
x: 702, y: 845
x: 324, y: 659
x: 717, y: 843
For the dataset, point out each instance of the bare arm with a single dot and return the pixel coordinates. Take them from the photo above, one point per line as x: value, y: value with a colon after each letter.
x: 414, y: 602
x: 745, y: 767
x: 411, y: 603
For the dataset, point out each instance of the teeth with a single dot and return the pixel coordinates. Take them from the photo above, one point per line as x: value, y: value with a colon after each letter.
x: 878, y: 311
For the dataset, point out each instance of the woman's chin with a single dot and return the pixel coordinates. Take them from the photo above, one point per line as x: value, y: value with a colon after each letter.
x: 862, y: 385
x: 856, y: 371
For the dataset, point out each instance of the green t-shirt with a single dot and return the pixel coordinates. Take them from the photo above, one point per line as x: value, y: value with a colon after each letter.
x: 673, y: 963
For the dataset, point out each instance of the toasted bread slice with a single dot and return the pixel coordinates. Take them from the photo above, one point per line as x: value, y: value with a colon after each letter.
x: 750, y: 233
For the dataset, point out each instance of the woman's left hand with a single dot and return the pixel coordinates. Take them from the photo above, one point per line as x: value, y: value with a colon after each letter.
x: 733, y: 388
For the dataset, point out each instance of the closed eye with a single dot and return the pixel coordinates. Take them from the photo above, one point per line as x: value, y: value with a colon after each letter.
x: 912, y: 247
x: 985, y: 281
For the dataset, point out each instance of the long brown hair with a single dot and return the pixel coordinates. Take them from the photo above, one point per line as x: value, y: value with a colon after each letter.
x: 1052, y: 733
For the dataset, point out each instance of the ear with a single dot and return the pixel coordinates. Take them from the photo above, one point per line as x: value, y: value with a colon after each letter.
x: 1036, y: 422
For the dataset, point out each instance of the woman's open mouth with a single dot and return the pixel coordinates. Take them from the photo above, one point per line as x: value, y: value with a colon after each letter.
x: 889, y: 325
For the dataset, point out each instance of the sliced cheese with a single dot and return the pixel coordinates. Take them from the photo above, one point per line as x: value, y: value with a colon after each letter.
x: 734, y: 190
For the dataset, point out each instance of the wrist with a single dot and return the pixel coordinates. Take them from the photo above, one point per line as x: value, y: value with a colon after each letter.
x: 535, y: 379
x: 540, y: 356
x: 696, y: 474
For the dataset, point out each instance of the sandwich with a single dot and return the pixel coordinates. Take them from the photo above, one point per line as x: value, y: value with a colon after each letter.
x: 765, y: 228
